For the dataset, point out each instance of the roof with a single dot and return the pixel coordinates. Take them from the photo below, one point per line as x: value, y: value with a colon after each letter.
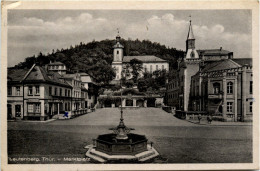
x: 220, y: 65
x: 243, y: 61
x: 146, y: 58
x: 16, y: 74
x: 56, y: 63
x: 212, y: 52
x: 190, y: 33
x: 118, y: 45
x: 40, y: 74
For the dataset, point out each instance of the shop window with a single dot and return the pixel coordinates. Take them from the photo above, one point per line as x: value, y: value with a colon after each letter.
x: 30, y: 108
x: 37, y: 108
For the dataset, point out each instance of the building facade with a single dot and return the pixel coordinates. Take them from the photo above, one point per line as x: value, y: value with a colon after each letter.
x: 39, y: 94
x: 224, y: 89
x: 189, y: 91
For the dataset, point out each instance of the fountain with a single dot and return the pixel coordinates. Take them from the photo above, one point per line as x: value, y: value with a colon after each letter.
x: 121, y: 146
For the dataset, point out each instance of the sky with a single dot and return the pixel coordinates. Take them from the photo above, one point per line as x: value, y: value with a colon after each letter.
x: 34, y: 31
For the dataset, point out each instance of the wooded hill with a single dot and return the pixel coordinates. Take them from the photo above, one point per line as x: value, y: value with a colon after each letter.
x: 95, y: 58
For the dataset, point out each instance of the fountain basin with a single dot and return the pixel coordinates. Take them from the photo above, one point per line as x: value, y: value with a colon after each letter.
x: 107, y: 143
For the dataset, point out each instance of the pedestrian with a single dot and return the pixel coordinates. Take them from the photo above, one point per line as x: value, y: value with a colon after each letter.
x: 199, y: 117
x: 210, y: 119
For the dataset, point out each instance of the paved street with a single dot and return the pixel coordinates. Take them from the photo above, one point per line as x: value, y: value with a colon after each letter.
x: 176, y: 140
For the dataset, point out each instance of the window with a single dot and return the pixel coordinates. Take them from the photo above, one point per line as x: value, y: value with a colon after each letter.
x: 65, y: 92
x: 151, y: 68
x: 251, y: 106
x: 145, y: 69
x: 156, y: 67
x: 68, y: 92
x: 117, y: 52
x: 216, y: 88
x: 66, y: 104
x: 55, y: 91
x: 30, y: 90
x: 9, y: 91
x: 230, y: 88
x: 229, y: 106
x: 162, y: 67
x: 37, y: 108
x: 60, y: 91
x: 18, y: 91
x: 251, y: 87
x: 30, y: 108
x: 37, y: 89
x: 50, y: 90
x: 192, y: 55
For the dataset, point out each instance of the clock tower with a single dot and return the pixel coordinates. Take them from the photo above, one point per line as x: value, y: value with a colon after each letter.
x: 118, y: 55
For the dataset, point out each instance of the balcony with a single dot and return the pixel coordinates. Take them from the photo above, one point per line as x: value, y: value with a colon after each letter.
x: 215, y: 96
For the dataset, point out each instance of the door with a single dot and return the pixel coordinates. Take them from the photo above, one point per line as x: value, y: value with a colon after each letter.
x: 17, y: 110
x: 9, y: 111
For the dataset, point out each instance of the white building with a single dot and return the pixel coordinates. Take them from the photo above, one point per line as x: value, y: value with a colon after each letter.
x: 150, y: 63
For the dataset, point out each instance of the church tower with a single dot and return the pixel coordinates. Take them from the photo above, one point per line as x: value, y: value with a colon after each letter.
x: 187, y: 68
x: 191, y: 51
x: 118, y: 55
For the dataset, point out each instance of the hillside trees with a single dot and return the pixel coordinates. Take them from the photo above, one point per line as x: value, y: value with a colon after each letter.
x: 89, y: 57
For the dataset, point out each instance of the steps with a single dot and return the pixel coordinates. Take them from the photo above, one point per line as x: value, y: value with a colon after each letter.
x: 103, y: 157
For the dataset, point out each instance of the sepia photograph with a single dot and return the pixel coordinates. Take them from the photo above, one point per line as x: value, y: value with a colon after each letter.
x: 130, y: 86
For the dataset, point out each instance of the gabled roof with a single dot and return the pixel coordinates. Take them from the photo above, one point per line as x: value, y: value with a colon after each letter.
x: 243, y: 61
x: 85, y: 78
x: 220, y: 65
x: 39, y: 74
x: 147, y: 58
x: 16, y: 74
x: 212, y: 52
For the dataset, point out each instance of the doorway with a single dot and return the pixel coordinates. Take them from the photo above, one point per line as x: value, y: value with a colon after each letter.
x: 9, y: 111
x: 17, y: 110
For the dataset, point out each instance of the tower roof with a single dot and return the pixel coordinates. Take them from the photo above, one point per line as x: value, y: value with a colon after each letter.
x: 190, y: 33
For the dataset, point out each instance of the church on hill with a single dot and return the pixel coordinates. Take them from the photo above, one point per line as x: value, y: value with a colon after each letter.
x: 150, y: 63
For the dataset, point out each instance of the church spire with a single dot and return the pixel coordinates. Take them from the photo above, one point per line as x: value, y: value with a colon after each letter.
x: 190, y: 33
x: 190, y: 42
x: 118, y: 37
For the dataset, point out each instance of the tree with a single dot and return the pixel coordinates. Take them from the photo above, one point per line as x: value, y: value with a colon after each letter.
x: 136, y: 67
x: 142, y: 87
